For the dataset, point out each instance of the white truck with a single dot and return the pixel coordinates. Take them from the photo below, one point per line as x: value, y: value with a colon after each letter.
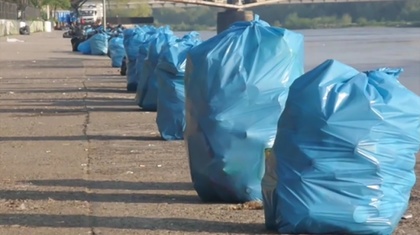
x: 90, y: 12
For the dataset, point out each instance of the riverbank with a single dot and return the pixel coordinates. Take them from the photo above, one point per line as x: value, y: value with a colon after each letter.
x: 309, y: 24
x: 302, y: 16
x: 293, y: 21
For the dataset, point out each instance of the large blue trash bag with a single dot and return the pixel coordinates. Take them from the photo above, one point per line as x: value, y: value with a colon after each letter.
x: 146, y: 95
x: 236, y: 84
x: 99, y: 44
x: 132, y: 40
x: 143, y: 51
x: 117, y: 52
x: 88, y: 30
x: 170, y: 72
x: 91, y: 32
x: 344, y: 155
x: 84, y: 47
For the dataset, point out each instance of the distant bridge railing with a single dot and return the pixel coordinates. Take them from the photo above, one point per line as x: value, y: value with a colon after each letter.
x: 254, y: 3
x: 237, y: 4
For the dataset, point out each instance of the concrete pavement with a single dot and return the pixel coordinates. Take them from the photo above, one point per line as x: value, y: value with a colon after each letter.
x: 78, y: 157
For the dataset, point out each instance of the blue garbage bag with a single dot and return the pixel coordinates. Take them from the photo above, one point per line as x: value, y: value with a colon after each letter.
x: 99, y: 44
x: 143, y: 51
x: 117, y: 52
x: 344, y: 155
x: 170, y: 72
x: 90, y: 32
x: 84, y: 47
x: 132, y: 40
x: 130, y: 45
x: 236, y: 84
x: 146, y: 95
x: 87, y: 29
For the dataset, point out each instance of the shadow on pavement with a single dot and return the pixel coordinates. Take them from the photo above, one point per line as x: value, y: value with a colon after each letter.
x: 80, y: 138
x: 117, y: 75
x: 81, y: 57
x: 79, y: 102
x: 50, y: 100
x: 99, y: 197
x: 75, y: 90
x: 69, y: 52
x: 58, y: 63
x: 60, y: 112
x: 415, y: 198
x: 71, y: 106
x: 76, y: 54
x: 171, y: 224
x: 107, y: 184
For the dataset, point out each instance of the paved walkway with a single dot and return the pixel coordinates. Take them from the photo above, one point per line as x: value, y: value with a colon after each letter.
x: 78, y: 157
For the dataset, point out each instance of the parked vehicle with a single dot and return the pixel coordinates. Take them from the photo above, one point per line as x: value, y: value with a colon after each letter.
x: 89, y: 13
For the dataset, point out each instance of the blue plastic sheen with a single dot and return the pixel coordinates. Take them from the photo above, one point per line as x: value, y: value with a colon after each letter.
x: 143, y: 51
x: 146, y: 96
x: 84, y: 47
x: 169, y: 73
x: 99, y: 44
x: 344, y: 155
x: 117, y: 51
x: 236, y: 84
x: 133, y: 38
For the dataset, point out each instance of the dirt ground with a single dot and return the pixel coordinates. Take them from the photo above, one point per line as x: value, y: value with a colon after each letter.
x: 78, y: 157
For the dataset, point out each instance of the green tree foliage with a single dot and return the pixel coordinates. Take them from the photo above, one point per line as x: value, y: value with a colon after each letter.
x: 57, y: 4
x: 143, y: 10
x: 411, y: 10
x: 120, y: 8
x: 302, y: 15
x: 345, y: 13
x: 188, y: 18
x: 36, y: 3
x: 62, y: 4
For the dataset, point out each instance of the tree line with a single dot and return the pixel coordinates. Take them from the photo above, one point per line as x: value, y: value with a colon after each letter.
x: 293, y: 16
x: 393, y: 13
x: 300, y: 16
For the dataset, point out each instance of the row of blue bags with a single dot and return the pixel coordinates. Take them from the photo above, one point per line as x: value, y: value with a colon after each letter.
x: 344, y: 141
x: 116, y: 50
x: 328, y: 151
x: 170, y: 72
x: 156, y: 60
x: 102, y: 42
x: 146, y: 93
x: 95, y: 45
x: 97, y: 41
x: 133, y: 38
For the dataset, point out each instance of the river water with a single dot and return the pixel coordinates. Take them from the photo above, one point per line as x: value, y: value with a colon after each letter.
x: 364, y: 49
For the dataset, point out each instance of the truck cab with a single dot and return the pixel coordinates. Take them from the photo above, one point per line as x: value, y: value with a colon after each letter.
x: 89, y: 14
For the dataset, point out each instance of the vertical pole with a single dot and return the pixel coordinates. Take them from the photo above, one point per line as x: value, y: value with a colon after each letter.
x: 104, y: 13
x: 48, y: 12
x: 226, y: 18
